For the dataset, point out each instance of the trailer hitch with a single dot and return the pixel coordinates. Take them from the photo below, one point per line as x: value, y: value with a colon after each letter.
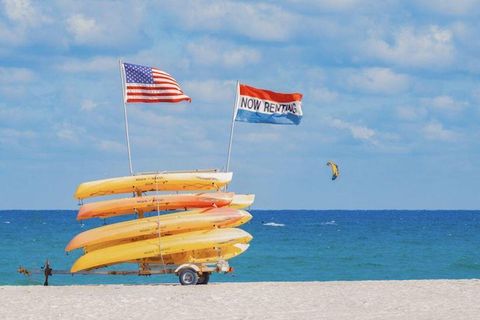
x: 47, y: 271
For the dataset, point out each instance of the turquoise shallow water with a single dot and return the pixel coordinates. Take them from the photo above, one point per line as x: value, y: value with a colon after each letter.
x: 287, y: 246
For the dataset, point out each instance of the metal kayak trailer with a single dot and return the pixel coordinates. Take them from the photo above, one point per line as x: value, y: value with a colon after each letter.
x: 188, y: 273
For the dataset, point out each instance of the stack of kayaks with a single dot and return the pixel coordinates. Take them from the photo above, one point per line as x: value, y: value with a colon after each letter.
x: 201, y: 230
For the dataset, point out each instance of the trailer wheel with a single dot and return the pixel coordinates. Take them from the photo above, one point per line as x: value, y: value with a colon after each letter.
x: 188, y: 277
x: 203, y: 279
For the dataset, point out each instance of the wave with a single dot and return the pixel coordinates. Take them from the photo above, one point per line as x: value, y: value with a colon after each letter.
x: 7, y: 222
x: 329, y: 223
x: 273, y: 224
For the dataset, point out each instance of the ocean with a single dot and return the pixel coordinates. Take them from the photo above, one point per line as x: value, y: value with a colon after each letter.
x: 288, y: 245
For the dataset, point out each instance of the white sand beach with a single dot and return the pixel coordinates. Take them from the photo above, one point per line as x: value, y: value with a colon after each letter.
x: 426, y: 299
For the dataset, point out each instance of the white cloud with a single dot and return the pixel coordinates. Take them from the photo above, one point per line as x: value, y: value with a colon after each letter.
x: 240, y: 57
x: 88, y: 105
x: 260, y: 21
x: 95, y: 64
x: 15, y: 75
x: 21, y: 116
x: 110, y: 146
x: 23, y: 13
x: 119, y: 24
x: 446, y: 103
x: 432, y: 46
x: 333, y: 5
x: 266, y: 137
x: 10, y: 36
x: 24, y: 22
x: 82, y: 28
x: 149, y: 126
x: 14, y: 137
x: 448, y: 7
x: 358, y: 132
x: 379, y: 80
x: 210, y: 90
x: 411, y: 113
x: 69, y: 133
x: 8, y: 133
x: 214, y: 53
x: 151, y: 118
x: 322, y: 94
x: 435, y: 131
x: 13, y: 81
x: 476, y: 94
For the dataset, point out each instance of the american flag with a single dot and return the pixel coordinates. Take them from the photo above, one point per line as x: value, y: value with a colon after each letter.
x: 151, y: 85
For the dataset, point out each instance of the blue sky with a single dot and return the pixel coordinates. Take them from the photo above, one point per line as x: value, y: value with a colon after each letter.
x: 391, y: 93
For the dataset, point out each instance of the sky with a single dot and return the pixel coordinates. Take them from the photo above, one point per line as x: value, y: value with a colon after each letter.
x: 391, y: 93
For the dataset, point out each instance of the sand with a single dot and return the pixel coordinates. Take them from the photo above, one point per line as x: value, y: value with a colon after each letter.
x: 427, y: 299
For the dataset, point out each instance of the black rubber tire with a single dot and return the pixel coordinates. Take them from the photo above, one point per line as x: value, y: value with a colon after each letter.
x: 188, y: 277
x: 203, y: 279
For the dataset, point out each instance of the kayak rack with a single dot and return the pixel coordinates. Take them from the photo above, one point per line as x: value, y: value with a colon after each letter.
x: 188, y: 273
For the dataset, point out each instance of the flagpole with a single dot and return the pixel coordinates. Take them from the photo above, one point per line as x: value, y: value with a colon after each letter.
x: 122, y: 75
x: 234, y: 114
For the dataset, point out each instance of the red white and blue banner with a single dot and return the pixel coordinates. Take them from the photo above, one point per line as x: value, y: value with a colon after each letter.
x: 265, y: 106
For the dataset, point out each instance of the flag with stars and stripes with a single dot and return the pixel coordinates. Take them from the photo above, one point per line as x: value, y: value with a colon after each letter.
x: 150, y: 85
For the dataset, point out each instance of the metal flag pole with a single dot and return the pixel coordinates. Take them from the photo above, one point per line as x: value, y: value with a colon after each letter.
x: 234, y: 114
x: 122, y: 75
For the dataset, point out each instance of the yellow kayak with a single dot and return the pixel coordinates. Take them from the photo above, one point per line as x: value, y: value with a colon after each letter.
x: 209, y: 255
x: 151, y: 248
x: 173, y: 223
x: 170, y: 181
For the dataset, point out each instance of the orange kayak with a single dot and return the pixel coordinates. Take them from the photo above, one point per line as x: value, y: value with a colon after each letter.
x: 117, y: 207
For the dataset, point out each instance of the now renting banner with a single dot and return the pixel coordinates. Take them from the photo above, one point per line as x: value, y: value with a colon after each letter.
x: 264, y: 106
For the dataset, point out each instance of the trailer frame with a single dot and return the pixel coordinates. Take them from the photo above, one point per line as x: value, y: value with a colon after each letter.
x: 188, y: 273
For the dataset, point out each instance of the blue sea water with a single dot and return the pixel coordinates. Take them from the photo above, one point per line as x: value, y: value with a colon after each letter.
x: 287, y: 246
